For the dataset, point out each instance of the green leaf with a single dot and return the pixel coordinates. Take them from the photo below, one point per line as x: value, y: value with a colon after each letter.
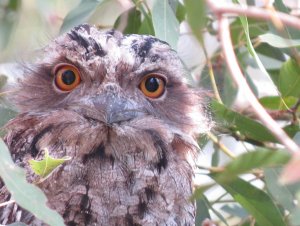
x: 291, y: 32
x: 180, y: 12
x: 289, y: 79
x: 255, y: 28
x: 9, y: 18
x: 291, y: 130
x: 230, y: 90
x: 147, y: 24
x: 146, y: 27
x: 278, y: 42
x: 255, y: 201
x: 244, y: 22
x: 202, y: 212
x: 215, y: 159
x: 267, y: 51
x: 283, y: 194
x: 235, y: 122
x: 277, y: 103
x: 134, y: 21
x: 44, y: 167
x: 196, y: 16
x: 251, y: 160
x: 235, y: 210
x: 199, y: 194
x: 80, y: 14
x: 26, y: 195
x: 165, y: 23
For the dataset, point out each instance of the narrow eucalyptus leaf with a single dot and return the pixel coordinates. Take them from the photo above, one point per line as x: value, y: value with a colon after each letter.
x: 255, y: 201
x: 279, y: 42
x: 80, y: 14
x: 288, y: 81
x: 259, y: 158
x: 165, y: 23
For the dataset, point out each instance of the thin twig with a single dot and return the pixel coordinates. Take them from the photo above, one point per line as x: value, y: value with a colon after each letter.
x: 222, y: 147
x: 211, y: 169
x: 212, y: 76
x: 258, y: 13
x: 238, y: 77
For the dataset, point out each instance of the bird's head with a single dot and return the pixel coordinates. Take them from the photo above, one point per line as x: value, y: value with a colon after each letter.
x: 96, y: 88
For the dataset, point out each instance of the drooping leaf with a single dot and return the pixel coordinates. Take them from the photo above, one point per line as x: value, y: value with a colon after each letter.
x: 147, y: 27
x: 26, y: 195
x: 234, y: 121
x: 283, y: 194
x: 255, y: 201
x: 259, y: 158
x: 147, y: 23
x: 215, y: 159
x: 251, y: 50
x: 44, y: 167
x: 180, y: 12
x: 255, y: 28
x: 289, y: 79
x: 277, y: 41
x: 80, y: 14
x: 291, y: 32
x: 9, y: 18
x: 292, y: 130
x: 265, y: 50
x: 230, y: 90
x: 219, y: 215
x: 203, y: 205
x: 235, y: 210
x: 165, y: 23
x: 277, y: 103
x: 196, y: 16
x: 134, y: 21
x: 202, y: 210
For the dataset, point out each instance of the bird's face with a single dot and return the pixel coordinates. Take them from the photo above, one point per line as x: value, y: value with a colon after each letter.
x: 119, y: 107
x: 103, y: 87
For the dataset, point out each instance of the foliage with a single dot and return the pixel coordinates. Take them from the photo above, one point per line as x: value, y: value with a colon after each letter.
x: 25, y: 194
x: 230, y: 197
x: 47, y: 165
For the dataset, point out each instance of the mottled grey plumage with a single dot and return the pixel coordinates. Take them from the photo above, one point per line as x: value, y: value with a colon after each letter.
x: 131, y: 155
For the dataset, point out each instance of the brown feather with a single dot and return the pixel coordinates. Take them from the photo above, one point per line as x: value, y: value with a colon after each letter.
x: 129, y: 153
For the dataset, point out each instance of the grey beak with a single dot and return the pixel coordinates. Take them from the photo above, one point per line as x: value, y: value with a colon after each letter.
x: 117, y: 109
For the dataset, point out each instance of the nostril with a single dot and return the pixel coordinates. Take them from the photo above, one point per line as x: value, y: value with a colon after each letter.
x: 112, y: 88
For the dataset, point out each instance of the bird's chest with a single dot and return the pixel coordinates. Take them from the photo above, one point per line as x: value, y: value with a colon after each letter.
x: 129, y: 191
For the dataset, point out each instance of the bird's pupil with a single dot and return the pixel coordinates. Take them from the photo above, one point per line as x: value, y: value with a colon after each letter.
x: 152, y: 84
x: 68, y: 77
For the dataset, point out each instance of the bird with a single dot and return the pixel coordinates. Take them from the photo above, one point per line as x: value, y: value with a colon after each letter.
x: 120, y: 107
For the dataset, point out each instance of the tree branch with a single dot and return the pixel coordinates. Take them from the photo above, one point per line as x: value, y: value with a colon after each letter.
x: 235, y: 70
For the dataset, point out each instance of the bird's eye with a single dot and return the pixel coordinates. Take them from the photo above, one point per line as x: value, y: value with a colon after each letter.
x: 67, y: 77
x: 153, y: 86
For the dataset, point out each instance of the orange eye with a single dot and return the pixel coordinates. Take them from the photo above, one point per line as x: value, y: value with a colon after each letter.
x: 67, y: 77
x: 153, y: 86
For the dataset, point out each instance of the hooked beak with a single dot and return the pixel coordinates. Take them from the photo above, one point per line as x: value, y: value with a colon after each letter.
x: 116, y: 109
